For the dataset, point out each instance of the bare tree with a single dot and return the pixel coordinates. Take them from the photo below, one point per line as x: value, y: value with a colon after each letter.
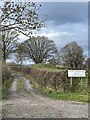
x: 40, y: 48
x: 20, y: 16
x: 87, y: 63
x: 9, y: 43
x: 54, y: 61
x: 20, y: 54
x: 71, y: 55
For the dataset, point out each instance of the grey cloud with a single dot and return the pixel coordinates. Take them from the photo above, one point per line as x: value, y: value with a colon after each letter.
x: 65, y: 12
x: 63, y: 34
x: 67, y: 22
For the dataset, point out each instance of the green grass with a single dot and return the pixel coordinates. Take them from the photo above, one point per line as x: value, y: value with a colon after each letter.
x: 6, y: 85
x: 20, y: 86
x: 48, y: 67
x: 69, y: 96
x: 79, y: 96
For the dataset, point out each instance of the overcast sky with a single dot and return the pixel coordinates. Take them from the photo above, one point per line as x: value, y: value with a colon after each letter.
x: 66, y: 22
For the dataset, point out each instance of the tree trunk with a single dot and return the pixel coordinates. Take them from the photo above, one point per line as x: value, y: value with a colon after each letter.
x: 4, y: 56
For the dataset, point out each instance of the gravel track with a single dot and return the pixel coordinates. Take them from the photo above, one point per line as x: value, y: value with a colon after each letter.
x: 29, y: 104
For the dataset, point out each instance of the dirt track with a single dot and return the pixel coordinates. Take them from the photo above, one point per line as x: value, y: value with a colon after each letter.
x: 27, y: 103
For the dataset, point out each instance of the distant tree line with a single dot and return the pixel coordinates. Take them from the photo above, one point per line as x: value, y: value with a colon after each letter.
x: 40, y: 49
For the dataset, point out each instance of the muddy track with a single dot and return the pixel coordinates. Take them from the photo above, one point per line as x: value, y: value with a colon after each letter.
x: 25, y: 102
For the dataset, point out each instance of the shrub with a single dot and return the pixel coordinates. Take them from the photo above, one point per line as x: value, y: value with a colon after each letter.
x: 6, y: 72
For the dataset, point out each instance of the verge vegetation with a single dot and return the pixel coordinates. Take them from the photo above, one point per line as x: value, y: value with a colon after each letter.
x: 48, y: 67
x: 6, y: 80
x: 6, y: 85
x: 80, y: 96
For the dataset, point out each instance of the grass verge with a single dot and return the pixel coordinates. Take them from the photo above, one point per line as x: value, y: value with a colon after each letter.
x: 50, y: 68
x: 80, y: 97
x: 6, y: 85
x: 20, y: 86
x: 69, y: 96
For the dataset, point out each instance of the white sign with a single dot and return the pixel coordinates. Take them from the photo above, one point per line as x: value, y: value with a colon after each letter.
x: 76, y: 73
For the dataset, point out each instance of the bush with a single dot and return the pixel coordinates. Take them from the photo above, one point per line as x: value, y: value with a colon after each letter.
x: 6, y: 85
x: 6, y: 72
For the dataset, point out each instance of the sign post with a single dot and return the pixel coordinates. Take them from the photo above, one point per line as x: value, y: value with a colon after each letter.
x: 71, y: 82
x: 76, y: 73
x: 81, y: 82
